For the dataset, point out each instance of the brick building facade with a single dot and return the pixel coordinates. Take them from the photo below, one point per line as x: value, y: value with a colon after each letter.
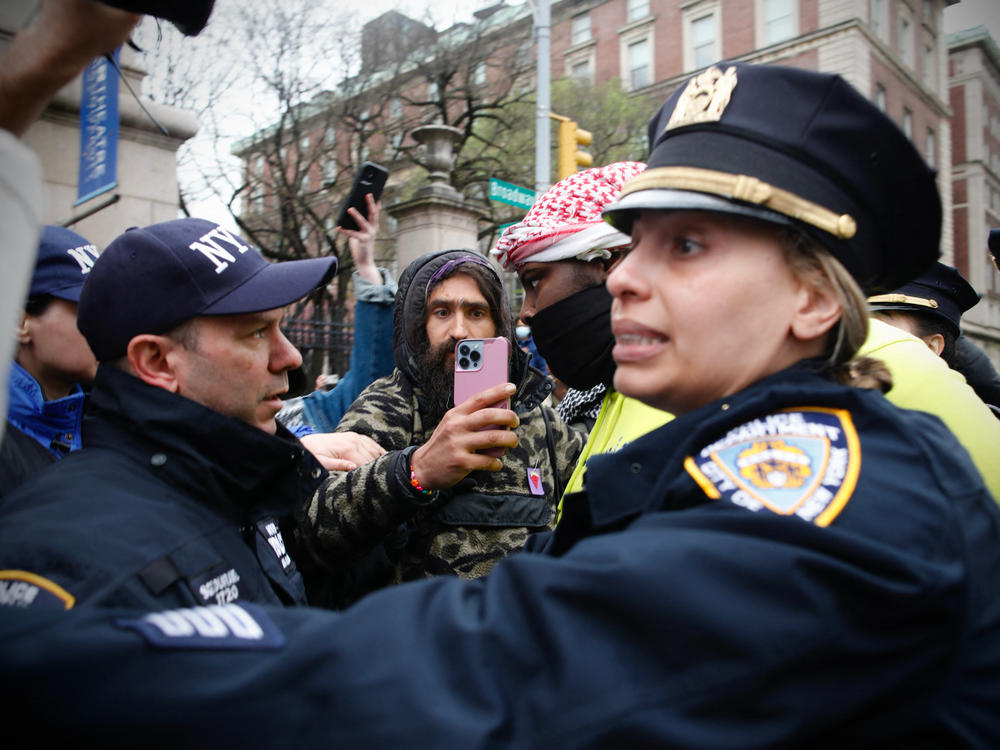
x: 942, y: 92
x: 974, y: 96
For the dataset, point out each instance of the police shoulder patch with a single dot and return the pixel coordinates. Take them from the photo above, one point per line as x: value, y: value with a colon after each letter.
x: 221, y: 626
x: 19, y: 588
x: 800, y: 461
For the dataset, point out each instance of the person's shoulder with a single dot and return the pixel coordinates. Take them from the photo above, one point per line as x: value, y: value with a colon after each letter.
x: 383, y: 402
x: 83, y: 480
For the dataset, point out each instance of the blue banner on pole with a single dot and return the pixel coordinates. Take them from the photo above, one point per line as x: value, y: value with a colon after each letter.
x: 98, y: 171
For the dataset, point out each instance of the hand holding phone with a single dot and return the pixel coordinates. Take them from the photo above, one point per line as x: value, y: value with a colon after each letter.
x: 370, y: 179
x: 482, y: 364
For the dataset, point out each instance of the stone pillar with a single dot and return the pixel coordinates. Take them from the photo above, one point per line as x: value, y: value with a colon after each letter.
x: 437, y: 217
x: 147, y: 164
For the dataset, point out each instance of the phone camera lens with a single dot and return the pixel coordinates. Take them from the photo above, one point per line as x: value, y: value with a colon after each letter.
x: 463, y: 363
x: 475, y: 356
x: 464, y: 350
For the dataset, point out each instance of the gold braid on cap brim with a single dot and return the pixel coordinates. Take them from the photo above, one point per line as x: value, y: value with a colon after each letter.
x: 744, y: 188
x: 903, y: 299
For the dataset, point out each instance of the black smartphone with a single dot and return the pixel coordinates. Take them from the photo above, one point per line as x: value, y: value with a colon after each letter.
x: 369, y: 179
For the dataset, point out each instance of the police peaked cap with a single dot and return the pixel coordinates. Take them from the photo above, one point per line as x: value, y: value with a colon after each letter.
x: 942, y: 291
x: 797, y: 148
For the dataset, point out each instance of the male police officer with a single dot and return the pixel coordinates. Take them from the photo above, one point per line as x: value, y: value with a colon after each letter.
x: 185, y: 479
x: 52, y: 361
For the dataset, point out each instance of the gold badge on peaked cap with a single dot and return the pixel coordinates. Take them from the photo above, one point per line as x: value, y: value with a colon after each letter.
x: 704, y: 99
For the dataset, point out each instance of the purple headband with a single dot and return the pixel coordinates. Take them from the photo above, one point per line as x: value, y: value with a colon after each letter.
x: 440, y: 273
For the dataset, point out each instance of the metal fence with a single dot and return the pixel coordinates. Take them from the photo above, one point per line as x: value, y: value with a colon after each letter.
x: 325, y: 346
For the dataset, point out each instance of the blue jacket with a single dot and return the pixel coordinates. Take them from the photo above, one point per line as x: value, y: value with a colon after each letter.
x: 168, y: 504
x: 54, y: 424
x: 799, y: 565
x: 371, y: 359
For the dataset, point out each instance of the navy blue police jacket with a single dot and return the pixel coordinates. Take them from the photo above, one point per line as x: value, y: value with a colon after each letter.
x: 169, y: 504
x: 798, y: 565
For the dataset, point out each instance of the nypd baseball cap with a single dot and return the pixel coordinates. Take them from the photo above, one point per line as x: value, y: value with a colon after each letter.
x: 63, y: 262
x: 798, y: 148
x: 152, y: 279
x: 942, y: 292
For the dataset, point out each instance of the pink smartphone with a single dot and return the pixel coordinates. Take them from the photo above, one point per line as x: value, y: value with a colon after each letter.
x: 482, y: 364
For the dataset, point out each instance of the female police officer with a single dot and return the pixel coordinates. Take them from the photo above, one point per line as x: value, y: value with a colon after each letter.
x: 791, y: 562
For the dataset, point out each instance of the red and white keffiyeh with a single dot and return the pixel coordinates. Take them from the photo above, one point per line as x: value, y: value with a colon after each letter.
x: 566, y: 221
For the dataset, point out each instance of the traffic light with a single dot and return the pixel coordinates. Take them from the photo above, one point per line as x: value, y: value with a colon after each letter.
x: 571, y: 138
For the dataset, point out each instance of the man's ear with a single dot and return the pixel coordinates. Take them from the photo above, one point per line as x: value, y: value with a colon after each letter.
x: 23, y: 330
x: 935, y: 342
x: 818, y: 310
x: 150, y: 359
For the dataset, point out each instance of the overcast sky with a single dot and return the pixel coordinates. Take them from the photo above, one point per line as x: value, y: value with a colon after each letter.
x: 969, y: 13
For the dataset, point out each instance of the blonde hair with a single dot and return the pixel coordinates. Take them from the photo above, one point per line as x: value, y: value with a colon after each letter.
x: 813, y: 263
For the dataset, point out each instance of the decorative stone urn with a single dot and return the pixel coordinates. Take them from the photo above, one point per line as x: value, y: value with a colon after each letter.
x: 436, y: 153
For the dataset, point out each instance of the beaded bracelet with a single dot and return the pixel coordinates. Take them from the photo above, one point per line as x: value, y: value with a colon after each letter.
x: 416, y: 484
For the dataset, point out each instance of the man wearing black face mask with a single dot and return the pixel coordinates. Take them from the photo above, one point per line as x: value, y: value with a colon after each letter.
x: 562, y: 251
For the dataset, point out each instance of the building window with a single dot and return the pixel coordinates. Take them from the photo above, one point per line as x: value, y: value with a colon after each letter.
x: 580, y: 29
x: 930, y: 148
x: 330, y: 136
x: 778, y: 20
x: 639, y: 64
x: 395, y: 108
x: 258, y: 165
x: 636, y: 9
x: 905, y: 40
x: 304, y: 145
x: 878, y: 12
x: 306, y: 182
x: 929, y: 66
x: 330, y: 171
x: 580, y: 70
x: 702, y: 48
x: 880, y: 96
x: 479, y: 74
x: 908, y: 123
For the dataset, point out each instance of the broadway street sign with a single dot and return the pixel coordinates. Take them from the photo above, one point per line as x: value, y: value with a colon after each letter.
x: 513, y: 195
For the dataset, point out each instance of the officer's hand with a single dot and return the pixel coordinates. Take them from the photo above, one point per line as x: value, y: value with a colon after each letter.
x: 450, y: 453
x: 342, y: 451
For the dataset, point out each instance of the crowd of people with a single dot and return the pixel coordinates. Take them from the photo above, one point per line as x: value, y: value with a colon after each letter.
x: 763, y: 512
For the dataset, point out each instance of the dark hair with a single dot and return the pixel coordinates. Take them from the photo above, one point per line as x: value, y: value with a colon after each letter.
x: 928, y: 324
x: 186, y: 334
x: 37, y: 305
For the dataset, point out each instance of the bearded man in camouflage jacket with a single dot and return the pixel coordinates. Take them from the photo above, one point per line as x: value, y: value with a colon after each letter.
x: 433, y: 504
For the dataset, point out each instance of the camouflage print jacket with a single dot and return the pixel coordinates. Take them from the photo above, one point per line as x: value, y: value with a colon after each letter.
x: 460, y: 531
x: 372, y: 518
